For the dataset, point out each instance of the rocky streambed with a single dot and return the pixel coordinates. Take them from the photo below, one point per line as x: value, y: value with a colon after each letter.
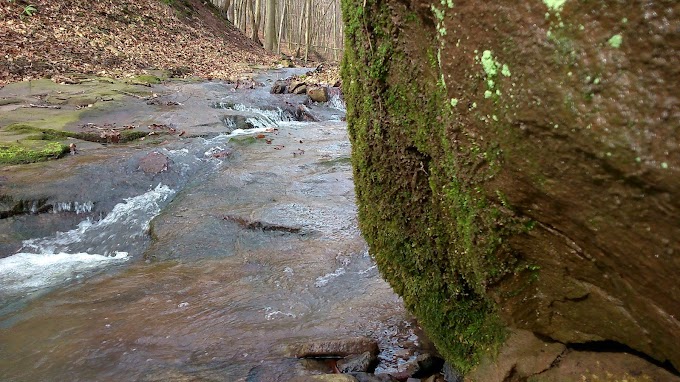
x: 222, y: 235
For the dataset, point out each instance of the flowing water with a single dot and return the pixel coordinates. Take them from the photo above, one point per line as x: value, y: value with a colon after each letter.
x: 245, y: 243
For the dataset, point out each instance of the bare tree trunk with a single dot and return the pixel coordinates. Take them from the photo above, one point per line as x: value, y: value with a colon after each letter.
x: 255, y: 21
x: 335, y: 31
x: 231, y: 15
x: 309, y: 29
x: 283, y: 17
x: 270, y: 26
x: 299, y: 40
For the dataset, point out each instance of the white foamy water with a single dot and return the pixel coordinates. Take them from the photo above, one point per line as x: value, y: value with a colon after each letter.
x: 322, y: 281
x: 336, y: 102
x: 52, y: 260
x: 29, y: 271
x: 78, y: 208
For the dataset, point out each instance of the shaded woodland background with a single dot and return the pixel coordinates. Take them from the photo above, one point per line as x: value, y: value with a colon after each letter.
x: 302, y: 28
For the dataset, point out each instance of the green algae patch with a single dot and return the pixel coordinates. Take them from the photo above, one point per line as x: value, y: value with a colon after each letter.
x: 31, y: 153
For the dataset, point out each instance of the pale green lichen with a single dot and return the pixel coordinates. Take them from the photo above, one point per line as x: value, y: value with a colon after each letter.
x: 489, y: 64
x: 664, y: 165
x: 438, y: 14
x: 554, y: 5
x: 615, y: 41
x: 488, y: 94
x: 454, y: 102
x: 505, y: 70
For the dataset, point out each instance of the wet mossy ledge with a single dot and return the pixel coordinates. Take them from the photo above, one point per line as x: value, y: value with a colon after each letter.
x: 21, y: 154
x: 507, y: 177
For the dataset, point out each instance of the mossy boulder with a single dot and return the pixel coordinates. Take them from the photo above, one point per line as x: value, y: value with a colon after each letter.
x: 517, y: 166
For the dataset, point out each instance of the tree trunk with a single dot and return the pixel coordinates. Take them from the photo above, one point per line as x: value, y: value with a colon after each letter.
x: 255, y: 22
x: 270, y: 26
x: 283, y: 17
x: 299, y: 34
x: 309, y: 29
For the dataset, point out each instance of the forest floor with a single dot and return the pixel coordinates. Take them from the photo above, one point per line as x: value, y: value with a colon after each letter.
x: 126, y: 38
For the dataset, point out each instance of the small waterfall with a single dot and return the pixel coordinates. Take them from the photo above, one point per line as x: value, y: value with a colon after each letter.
x: 258, y: 118
x: 52, y: 260
x: 336, y: 102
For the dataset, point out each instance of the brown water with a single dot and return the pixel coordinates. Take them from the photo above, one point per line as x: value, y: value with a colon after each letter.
x: 251, y: 252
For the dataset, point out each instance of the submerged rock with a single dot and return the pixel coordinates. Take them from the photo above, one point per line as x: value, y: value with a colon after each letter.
x: 154, y: 163
x: 517, y: 166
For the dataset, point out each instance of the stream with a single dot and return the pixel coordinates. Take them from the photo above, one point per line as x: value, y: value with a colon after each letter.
x: 193, y: 258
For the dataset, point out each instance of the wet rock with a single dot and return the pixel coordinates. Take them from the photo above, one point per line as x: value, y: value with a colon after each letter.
x: 335, y: 347
x: 297, y: 87
x: 154, y: 163
x: 279, y: 87
x: 285, y: 369
x: 364, y: 362
x: 605, y: 366
x: 233, y: 122
x: 427, y: 364
x: 318, y: 93
x: 324, y: 378
x: 368, y: 377
x: 451, y: 374
x: 522, y: 355
x: 302, y: 113
x: 435, y: 378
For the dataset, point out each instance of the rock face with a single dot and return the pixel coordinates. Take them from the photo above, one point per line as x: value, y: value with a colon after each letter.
x: 517, y: 165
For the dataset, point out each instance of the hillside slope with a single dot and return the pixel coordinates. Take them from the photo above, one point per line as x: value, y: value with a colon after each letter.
x: 117, y: 38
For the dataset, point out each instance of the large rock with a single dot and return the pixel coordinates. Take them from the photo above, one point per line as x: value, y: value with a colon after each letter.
x: 364, y: 362
x: 297, y: 87
x: 518, y: 166
x: 318, y: 93
x: 279, y: 87
x: 335, y: 347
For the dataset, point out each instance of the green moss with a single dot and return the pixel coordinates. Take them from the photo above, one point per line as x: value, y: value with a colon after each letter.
x: 436, y: 238
x: 35, y: 133
x: 146, y: 79
x: 19, y: 154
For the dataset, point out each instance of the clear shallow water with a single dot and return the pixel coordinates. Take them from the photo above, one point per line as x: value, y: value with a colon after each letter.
x: 251, y: 252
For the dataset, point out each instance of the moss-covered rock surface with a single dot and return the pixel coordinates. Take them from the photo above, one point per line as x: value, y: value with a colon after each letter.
x: 516, y: 165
